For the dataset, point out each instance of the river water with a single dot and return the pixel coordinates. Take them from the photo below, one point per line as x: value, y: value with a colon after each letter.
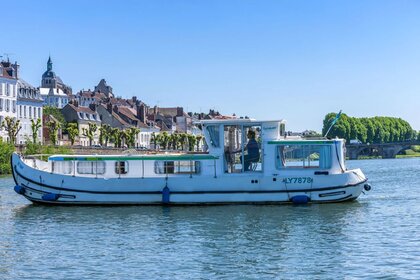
x: 377, y: 236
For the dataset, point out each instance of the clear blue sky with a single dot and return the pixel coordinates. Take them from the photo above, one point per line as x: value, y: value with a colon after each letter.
x: 296, y: 60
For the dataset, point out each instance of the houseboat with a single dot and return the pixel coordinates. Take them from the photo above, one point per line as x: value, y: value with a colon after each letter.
x: 247, y: 161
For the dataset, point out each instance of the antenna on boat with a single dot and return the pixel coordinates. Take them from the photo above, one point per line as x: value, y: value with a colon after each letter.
x: 337, y: 117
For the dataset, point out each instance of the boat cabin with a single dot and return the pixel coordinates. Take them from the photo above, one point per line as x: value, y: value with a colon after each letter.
x: 239, y: 146
x: 249, y: 146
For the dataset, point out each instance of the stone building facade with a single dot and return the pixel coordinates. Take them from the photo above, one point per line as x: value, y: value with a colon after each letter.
x: 9, y: 74
x: 29, y: 107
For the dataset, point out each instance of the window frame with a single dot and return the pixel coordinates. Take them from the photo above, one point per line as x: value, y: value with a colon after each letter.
x: 93, y: 167
x: 118, y: 167
x: 174, y: 167
x: 280, y: 165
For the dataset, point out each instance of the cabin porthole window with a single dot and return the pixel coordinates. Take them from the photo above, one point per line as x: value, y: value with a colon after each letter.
x: 121, y: 167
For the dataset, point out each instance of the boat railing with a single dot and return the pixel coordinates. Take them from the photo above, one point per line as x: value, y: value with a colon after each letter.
x: 38, y: 161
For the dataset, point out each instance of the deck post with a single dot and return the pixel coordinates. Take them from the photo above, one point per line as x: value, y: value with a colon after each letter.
x: 142, y: 168
x: 74, y: 168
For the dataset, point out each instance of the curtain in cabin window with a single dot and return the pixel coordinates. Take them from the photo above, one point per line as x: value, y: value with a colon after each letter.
x: 325, y: 157
x: 214, y: 135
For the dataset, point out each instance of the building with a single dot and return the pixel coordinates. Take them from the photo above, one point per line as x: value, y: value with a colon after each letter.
x: 102, y: 87
x: 9, y: 74
x: 172, y: 119
x: 53, y: 91
x: 83, y: 116
x: 135, y: 116
x: 85, y: 98
x: 29, y: 107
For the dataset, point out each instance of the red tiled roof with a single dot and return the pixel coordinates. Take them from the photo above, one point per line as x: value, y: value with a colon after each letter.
x: 81, y: 109
x: 5, y: 67
x: 129, y: 113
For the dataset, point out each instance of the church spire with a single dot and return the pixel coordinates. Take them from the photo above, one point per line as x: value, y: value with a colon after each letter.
x: 49, y: 64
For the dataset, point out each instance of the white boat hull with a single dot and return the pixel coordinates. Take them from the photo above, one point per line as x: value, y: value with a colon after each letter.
x: 45, y: 187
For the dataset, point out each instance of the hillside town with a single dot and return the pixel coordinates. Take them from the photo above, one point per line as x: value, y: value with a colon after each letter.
x: 53, y: 114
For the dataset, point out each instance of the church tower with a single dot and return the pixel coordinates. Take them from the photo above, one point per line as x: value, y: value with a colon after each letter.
x: 49, y: 79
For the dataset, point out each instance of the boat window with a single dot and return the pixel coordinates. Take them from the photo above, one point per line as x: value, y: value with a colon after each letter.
x: 214, y: 133
x: 304, y: 156
x: 121, y: 167
x: 242, y: 148
x: 91, y: 167
x: 62, y: 167
x: 177, y: 167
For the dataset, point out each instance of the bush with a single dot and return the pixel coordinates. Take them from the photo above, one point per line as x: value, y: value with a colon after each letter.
x: 33, y: 149
x: 416, y: 148
x: 6, y: 150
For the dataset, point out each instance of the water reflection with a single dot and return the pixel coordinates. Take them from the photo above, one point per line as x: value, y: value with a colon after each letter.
x: 375, y: 236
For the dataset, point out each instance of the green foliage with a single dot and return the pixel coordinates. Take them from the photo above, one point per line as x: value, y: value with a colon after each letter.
x: 104, y: 134
x: 164, y: 140
x: 369, y: 130
x: 416, y: 148
x: 12, y: 128
x: 130, y: 136
x: 56, y: 113
x: 155, y: 139
x: 90, y: 132
x: 192, y: 140
x: 53, y: 127
x: 116, y: 137
x: 73, y: 131
x: 174, y: 138
x: 183, y: 137
x: 36, y: 148
x: 35, y: 126
x: 6, y: 150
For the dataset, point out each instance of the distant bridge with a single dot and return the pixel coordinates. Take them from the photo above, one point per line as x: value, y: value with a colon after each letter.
x: 386, y: 150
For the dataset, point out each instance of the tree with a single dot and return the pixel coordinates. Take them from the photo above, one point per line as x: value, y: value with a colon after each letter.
x: 192, y: 140
x: 53, y: 126
x: 155, y: 139
x: 182, y: 139
x: 173, y: 139
x: 90, y: 132
x: 35, y: 126
x: 12, y: 127
x: 130, y: 135
x: 164, y: 140
x: 104, y: 134
x: 56, y: 113
x: 198, y: 138
x: 6, y: 150
x: 116, y: 136
x: 73, y: 131
x: 371, y: 130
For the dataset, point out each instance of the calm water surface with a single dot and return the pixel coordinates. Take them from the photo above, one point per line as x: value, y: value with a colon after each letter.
x: 377, y: 236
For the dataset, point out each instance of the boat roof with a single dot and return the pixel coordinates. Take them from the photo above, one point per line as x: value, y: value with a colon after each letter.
x: 239, y: 121
x: 132, y: 157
